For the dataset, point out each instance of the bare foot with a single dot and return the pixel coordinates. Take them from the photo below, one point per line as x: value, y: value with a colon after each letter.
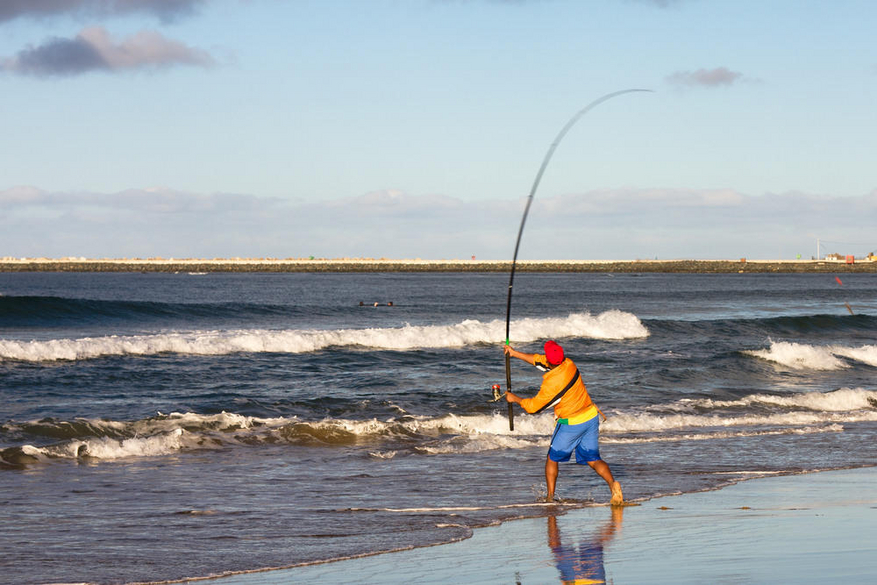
x: 617, y: 497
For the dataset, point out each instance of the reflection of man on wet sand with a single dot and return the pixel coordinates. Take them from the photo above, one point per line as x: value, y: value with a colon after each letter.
x: 582, y: 563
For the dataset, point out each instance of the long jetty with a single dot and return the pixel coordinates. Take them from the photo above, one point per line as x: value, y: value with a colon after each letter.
x: 418, y: 265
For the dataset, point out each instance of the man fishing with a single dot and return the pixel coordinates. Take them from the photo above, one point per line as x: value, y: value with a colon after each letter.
x: 576, y: 414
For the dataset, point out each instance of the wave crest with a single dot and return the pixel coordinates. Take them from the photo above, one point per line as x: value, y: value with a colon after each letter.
x: 684, y: 420
x: 800, y: 356
x: 608, y: 325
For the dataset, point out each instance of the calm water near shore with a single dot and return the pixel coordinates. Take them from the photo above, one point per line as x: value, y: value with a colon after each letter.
x: 162, y: 426
x: 810, y: 528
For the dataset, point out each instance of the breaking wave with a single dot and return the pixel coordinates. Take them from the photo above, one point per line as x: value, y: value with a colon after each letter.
x: 607, y: 325
x: 683, y: 420
x: 844, y: 399
x: 800, y: 356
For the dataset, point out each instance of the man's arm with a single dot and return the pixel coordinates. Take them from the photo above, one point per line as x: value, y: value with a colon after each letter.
x: 526, y: 403
x: 530, y: 358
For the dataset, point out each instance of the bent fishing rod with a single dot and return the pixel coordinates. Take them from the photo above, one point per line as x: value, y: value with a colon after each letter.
x: 548, y: 155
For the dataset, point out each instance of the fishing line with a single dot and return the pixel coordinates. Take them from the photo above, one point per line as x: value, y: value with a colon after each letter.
x: 548, y: 155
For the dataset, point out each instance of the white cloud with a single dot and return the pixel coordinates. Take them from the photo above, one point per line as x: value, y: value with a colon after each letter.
x: 393, y: 202
x: 607, y: 224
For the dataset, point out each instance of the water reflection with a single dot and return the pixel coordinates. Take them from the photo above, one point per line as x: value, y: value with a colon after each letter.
x: 581, y: 563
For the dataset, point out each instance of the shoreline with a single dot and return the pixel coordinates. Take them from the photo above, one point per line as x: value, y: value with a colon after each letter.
x: 290, y: 265
x: 797, y: 527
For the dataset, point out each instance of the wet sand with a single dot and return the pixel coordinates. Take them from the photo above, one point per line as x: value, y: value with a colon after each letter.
x: 811, y: 528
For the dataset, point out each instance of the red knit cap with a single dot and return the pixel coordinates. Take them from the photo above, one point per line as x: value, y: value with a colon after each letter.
x: 553, y: 353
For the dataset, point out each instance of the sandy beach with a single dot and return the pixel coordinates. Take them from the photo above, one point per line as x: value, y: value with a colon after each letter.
x: 811, y: 528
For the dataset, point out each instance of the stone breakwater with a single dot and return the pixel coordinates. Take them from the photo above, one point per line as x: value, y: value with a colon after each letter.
x: 195, y: 266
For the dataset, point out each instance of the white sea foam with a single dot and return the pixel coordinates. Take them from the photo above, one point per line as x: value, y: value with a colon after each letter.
x: 461, y: 433
x: 608, y: 325
x: 832, y: 428
x: 108, y: 449
x: 866, y: 354
x: 464, y: 508
x: 807, y: 413
x: 683, y: 420
x: 479, y: 444
x: 844, y: 399
x: 488, y: 425
x: 643, y: 422
x: 162, y: 435
x: 815, y: 357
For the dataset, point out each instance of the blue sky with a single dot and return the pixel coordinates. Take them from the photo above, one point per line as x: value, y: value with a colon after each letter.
x: 401, y: 129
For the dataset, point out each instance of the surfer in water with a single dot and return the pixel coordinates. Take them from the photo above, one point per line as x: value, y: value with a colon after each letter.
x: 577, y: 416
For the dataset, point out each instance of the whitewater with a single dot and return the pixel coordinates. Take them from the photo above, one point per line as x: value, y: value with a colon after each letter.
x: 165, y: 434
x: 608, y: 325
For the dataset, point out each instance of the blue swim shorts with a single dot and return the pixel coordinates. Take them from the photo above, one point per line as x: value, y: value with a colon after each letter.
x: 581, y: 438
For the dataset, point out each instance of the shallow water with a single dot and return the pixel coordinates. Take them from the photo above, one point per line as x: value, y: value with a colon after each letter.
x: 809, y: 528
x: 160, y: 426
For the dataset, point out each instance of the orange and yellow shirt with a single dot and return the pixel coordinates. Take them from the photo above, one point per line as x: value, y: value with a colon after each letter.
x: 574, y: 406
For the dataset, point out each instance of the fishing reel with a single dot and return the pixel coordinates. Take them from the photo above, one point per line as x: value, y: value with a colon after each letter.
x: 497, y: 393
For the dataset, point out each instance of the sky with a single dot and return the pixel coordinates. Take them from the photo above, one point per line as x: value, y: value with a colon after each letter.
x: 415, y: 128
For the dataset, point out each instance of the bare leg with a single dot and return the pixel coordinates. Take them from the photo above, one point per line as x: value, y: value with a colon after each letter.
x: 550, y: 477
x: 603, y: 471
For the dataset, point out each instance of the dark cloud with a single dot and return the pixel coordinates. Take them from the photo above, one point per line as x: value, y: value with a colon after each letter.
x: 165, y: 10
x: 720, y: 76
x: 57, y: 57
x: 94, y: 50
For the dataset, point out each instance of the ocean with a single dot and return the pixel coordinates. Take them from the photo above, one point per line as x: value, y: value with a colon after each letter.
x: 158, y: 427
